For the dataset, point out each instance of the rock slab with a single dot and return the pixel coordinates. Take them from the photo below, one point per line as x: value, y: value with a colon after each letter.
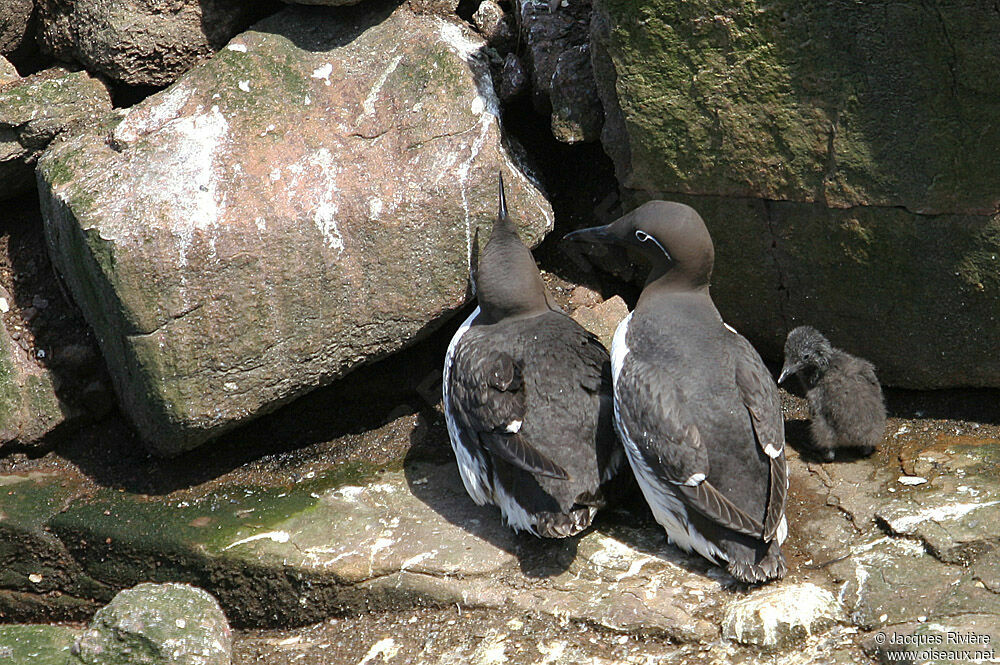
x: 304, y: 201
x: 157, y: 624
x: 801, y: 155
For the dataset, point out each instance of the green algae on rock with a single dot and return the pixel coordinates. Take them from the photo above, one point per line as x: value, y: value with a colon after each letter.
x: 37, y: 644
x: 35, y: 110
x: 157, y: 624
x: 303, y: 202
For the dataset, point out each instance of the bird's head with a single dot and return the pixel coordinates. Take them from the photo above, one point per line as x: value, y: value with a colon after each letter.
x: 671, y: 236
x: 508, y: 284
x: 805, y: 349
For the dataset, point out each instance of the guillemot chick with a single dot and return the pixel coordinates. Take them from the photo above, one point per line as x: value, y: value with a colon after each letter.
x: 527, y: 398
x: 695, y: 406
x: 846, y: 409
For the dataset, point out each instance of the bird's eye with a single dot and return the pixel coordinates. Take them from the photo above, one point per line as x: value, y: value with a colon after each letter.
x: 641, y: 235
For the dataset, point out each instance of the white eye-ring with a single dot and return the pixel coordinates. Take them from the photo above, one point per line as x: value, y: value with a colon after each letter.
x: 642, y: 235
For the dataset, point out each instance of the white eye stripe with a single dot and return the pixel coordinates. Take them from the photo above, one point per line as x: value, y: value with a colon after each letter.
x: 642, y: 235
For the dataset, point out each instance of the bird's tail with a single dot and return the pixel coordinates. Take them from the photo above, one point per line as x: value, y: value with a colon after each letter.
x: 770, y: 567
x: 564, y: 525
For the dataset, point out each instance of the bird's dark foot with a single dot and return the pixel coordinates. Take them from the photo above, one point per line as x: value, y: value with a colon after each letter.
x: 866, y: 450
x: 828, y: 454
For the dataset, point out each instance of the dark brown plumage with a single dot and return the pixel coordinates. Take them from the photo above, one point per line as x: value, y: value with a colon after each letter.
x: 695, y: 407
x: 846, y: 408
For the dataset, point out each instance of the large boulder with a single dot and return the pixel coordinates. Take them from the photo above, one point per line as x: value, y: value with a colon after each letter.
x: 837, y: 153
x: 305, y: 201
x: 35, y: 110
x: 142, y: 42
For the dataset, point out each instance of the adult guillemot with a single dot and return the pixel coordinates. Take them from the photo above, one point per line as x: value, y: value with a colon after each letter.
x: 695, y: 406
x: 846, y: 409
x: 527, y: 398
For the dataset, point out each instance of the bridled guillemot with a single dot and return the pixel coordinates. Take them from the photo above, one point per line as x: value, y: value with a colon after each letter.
x: 695, y: 406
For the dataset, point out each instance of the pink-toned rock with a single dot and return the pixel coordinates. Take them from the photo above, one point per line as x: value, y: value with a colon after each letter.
x: 303, y: 202
x: 603, y: 318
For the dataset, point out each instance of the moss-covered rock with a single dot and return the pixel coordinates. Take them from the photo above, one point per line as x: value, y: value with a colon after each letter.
x: 29, y: 406
x: 37, y: 644
x: 304, y: 201
x: 33, y: 111
x: 157, y: 624
x: 840, y: 154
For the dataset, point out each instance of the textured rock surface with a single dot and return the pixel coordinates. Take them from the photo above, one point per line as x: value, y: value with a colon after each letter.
x: 8, y: 73
x: 562, y: 80
x: 803, y: 158
x: 29, y: 406
x: 781, y: 614
x: 304, y: 201
x: 142, y: 42
x: 35, y: 110
x: 305, y: 535
x: 157, y: 624
x: 603, y: 318
x: 37, y: 645
x: 15, y: 19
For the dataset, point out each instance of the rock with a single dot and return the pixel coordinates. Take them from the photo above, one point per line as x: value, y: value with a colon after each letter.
x: 350, y: 539
x: 949, y: 514
x: 491, y: 22
x: 8, y: 73
x: 891, y: 581
x: 513, y: 80
x: 39, y: 579
x: 562, y: 79
x: 802, y: 181
x: 301, y: 203
x: 774, y: 617
x: 15, y: 20
x: 142, y: 42
x: 29, y: 406
x: 154, y: 624
x: 37, y: 109
x: 602, y: 319
x: 444, y: 8
x: 37, y: 644
x: 577, y: 114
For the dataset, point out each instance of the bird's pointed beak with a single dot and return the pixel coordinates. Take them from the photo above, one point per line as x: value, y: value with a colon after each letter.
x: 787, y: 371
x: 601, y: 235
x: 502, y: 212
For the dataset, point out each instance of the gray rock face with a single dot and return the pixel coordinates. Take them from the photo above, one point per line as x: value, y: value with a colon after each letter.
x: 303, y: 202
x: 15, y: 18
x: 35, y: 110
x: 577, y: 114
x: 562, y: 78
x: 157, y: 624
x: 142, y: 42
